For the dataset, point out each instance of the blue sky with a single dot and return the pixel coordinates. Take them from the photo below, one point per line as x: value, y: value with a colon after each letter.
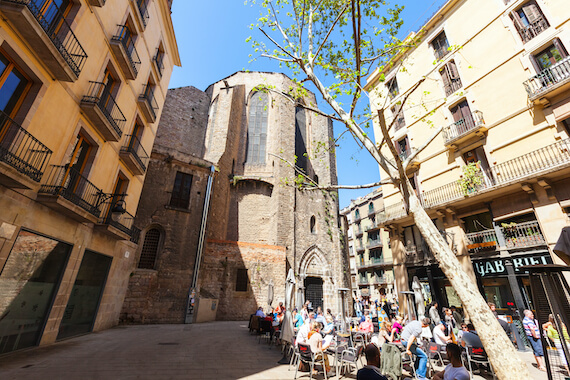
x: 211, y: 38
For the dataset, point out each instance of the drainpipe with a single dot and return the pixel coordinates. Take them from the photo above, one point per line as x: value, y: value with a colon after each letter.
x: 192, y: 291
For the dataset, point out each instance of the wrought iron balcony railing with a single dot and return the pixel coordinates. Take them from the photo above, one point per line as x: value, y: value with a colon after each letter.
x: 463, y: 127
x: 481, y: 240
x: 359, y: 247
x: 72, y: 185
x: 123, y: 36
x: 522, y: 235
x: 373, y: 243
x: 158, y: 60
x: 548, y: 78
x: 22, y: 151
x: 124, y: 223
x: 532, y: 30
x: 454, y: 85
x: 102, y: 97
x: 363, y: 281
x: 52, y: 21
x: 394, y: 211
x: 135, y: 148
x: 148, y: 97
x: 142, y: 6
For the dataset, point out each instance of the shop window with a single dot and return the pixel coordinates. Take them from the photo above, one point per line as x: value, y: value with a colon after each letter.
x: 242, y: 280
x: 392, y: 87
x: 313, y: 224
x: 440, y: 46
x: 257, y: 128
x: 529, y: 20
x: 450, y: 77
x: 180, y: 196
x: 149, y: 251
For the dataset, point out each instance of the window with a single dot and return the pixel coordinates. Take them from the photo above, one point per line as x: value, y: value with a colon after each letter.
x: 14, y: 85
x: 149, y: 251
x: 399, y: 116
x: 462, y: 117
x: 119, y: 194
x: 181, y: 191
x: 529, y: 21
x: 257, y: 128
x: 550, y: 56
x: 53, y: 12
x: 241, y: 280
x: 300, y: 139
x: 440, y: 46
x: 403, y: 147
x: 393, y: 89
x: 81, y: 156
x: 356, y: 214
x: 371, y: 208
x: 450, y: 76
x: 313, y: 224
x: 159, y: 59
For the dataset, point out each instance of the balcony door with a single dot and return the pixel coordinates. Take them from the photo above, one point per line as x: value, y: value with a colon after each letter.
x: 550, y: 56
x: 14, y: 85
x: 52, y: 12
x: 108, y: 91
x: 76, y: 167
x: 478, y: 157
x: 462, y: 117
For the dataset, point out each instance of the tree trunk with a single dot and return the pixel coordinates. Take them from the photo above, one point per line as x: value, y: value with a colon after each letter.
x: 505, y: 360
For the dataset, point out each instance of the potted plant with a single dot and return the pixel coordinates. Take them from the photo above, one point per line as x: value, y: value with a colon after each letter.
x: 471, y: 178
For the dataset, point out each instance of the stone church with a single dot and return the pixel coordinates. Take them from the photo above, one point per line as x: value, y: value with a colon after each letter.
x: 222, y: 164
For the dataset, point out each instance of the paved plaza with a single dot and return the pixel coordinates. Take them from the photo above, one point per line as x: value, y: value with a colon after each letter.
x: 218, y: 350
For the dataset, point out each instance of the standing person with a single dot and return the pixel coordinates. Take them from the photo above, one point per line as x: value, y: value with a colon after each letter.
x: 553, y: 334
x: 434, y: 314
x: 372, y: 369
x: 357, y: 308
x: 411, y: 333
x: 455, y: 369
x: 450, y: 322
x: 533, y: 333
x: 457, y: 315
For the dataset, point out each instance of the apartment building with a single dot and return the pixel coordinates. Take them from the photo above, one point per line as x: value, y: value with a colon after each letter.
x: 82, y: 85
x: 496, y: 74
x: 370, y: 254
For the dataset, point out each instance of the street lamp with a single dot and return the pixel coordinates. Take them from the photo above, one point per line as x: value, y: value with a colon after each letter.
x: 118, y: 208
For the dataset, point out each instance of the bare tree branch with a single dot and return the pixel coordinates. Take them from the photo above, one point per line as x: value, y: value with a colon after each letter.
x: 278, y: 25
x: 350, y: 187
x: 408, y: 160
x: 330, y: 31
x: 295, y: 167
x: 356, y: 23
x: 277, y: 58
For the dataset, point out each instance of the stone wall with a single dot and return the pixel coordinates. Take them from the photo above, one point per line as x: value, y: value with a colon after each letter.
x: 265, y: 264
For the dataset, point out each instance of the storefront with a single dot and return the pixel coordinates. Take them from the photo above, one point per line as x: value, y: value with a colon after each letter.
x: 503, y: 282
x: 434, y: 285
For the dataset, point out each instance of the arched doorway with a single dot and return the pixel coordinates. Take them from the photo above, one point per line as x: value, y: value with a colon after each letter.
x: 314, y: 291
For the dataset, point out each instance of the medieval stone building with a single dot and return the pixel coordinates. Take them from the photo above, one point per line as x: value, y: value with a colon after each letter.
x: 259, y: 224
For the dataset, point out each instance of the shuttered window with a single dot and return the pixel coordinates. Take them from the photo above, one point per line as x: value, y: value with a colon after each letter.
x: 529, y: 20
x: 181, y: 191
x: 440, y: 45
x: 450, y: 77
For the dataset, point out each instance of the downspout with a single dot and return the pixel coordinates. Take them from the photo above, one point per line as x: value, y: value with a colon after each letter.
x: 200, y: 250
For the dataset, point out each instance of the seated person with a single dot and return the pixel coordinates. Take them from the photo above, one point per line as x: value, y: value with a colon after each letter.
x: 329, y: 327
x: 260, y: 312
x: 297, y: 319
x: 366, y: 326
x: 439, y: 335
x: 316, y: 343
x: 455, y: 369
x: 383, y: 336
x: 397, y: 327
x: 471, y: 338
x: 461, y: 331
x: 320, y: 318
x: 303, y: 334
x: 372, y: 369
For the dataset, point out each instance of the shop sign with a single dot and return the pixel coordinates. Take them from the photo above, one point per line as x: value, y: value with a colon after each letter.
x: 495, y: 267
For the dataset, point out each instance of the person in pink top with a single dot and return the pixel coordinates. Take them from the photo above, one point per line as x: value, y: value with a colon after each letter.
x: 366, y: 326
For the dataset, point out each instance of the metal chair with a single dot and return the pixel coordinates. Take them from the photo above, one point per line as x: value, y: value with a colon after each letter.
x: 264, y: 330
x: 348, y: 358
x: 408, y: 360
x: 479, y: 356
x: 434, y: 352
x: 306, y: 355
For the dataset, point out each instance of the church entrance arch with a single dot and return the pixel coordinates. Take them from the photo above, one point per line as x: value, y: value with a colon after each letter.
x: 315, y: 272
x: 314, y: 291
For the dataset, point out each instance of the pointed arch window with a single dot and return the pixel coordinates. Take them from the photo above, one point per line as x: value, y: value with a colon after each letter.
x: 257, y: 128
x: 149, y: 250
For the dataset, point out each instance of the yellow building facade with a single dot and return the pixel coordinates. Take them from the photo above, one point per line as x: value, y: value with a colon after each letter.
x: 495, y: 76
x: 82, y: 84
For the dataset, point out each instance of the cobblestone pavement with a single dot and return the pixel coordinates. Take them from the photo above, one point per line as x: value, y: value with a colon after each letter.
x: 218, y: 350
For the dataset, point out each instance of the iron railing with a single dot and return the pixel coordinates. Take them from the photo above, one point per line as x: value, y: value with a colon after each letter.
x: 135, y: 234
x: 359, y: 231
x: 159, y: 61
x: 481, y: 240
x: 395, y: 211
x: 142, y: 5
x: 454, y: 85
x: 148, y: 96
x: 522, y: 235
x: 73, y: 186
x: 100, y: 95
x: 549, y: 77
x: 373, y: 243
x: 379, y: 280
x: 363, y: 280
x: 532, y: 30
x: 122, y: 37
x: 52, y: 21
x: 375, y: 225
x: 359, y: 247
x: 21, y: 150
x: 135, y: 148
x: 123, y: 223
x: 462, y: 127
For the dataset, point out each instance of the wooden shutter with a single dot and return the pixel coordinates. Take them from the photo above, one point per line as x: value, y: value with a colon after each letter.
x: 532, y: 12
x: 453, y: 73
x: 445, y: 76
x: 466, y: 113
x: 517, y: 21
x: 456, y: 112
x: 558, y: 45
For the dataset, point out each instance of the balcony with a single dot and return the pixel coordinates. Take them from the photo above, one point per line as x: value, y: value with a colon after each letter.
x: 481, y: 241
x: 100, y: 106
x: 454, y: 85
x: 359, y: 247
x: 49, y: 36
x: 158, y: 63
x: 97, y: 3
x: 523, y: 235
x: 373, y: 243
x: 551, y: 81
x: 134, y: 156
x: 395, y: 211
x: 464, y: 129
x: 533, y: 164
x: 375, y: 262
x: 148, y: 104
x: 123, y: 227
x: 358, y: 232
x: 379, y: 280
x: 125, y: 52
x: 404, y: 154
x: 69, y: 192
x: 142, y: 12
x: 532, y: 30
x: 23, y: 158
x: 375, y: 226
x: 362, y: 281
